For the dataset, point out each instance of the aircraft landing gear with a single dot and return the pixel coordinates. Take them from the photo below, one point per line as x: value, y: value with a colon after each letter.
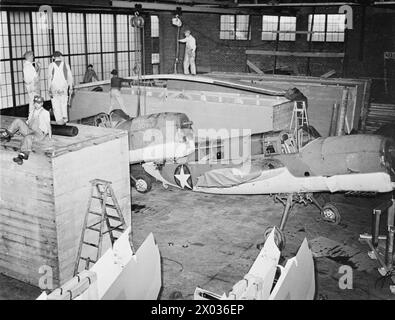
x: 139, y: 179
x: 142, y: 183
x: 279, y: 237
x: 329, y: 212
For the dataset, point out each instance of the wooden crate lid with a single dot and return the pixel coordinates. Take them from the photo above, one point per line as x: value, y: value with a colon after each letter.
x: 58, y: 145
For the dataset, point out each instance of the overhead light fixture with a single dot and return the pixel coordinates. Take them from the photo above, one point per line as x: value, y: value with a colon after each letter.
x: 176, y: 20
x: 137, y: 21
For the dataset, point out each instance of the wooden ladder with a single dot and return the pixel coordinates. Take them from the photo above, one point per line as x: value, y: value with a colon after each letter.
x: 298, y: 120
x: 103, y: 192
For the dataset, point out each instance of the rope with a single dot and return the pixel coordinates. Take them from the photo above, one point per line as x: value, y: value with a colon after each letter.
x: 177, y: 51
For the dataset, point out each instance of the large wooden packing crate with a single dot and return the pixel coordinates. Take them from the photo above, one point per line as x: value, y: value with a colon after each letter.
x: 43, y: 202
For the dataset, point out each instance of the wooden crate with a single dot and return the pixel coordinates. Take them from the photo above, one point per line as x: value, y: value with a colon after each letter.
x: 43, y: 202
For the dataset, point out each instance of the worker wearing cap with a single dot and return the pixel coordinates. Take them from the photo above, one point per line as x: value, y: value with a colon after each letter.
x: 90, y: 75
x: 115, y: 91
x: 190, y: 52
x: 36, y: 128
x: 60, y: 84
x: 31, y: 77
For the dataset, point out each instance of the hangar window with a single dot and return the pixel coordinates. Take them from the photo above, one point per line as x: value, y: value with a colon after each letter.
x: 104, y: 40
x: 122, y: 44
x: 77, y: 46
x: 108, y: 44
x: 155, y: 60
x: 5, y: 72
x: 235, y: 27
x: 20, y: 36
x: 154, y: 26
x: 326, y: 27
x: 283, y: 26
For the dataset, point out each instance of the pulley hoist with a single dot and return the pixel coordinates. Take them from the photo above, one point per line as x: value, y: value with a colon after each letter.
x: 176, y: 21
x: 137, y: 22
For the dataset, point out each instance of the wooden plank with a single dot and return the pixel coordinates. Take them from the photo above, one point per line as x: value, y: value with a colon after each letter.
x: 276, y: 78
x: 254, y: 67
x: 24, y: 273
x: 43, y: 234
x: 26, y: 247
x: 296, y: 54
x: 22, y: 217
x: 328, y: 74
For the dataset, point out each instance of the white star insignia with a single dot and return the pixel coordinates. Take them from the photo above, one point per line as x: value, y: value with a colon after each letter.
x: 183, y: 178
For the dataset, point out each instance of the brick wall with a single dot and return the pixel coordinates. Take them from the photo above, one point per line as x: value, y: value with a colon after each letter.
x: 373, y: 33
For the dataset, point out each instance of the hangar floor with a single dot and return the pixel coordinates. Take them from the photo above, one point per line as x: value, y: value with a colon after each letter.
x: 210, y: 241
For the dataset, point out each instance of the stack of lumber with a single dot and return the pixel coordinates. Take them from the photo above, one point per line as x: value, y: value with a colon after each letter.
x: 379, y: 114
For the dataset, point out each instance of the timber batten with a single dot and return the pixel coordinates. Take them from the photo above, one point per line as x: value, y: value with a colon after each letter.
x: 43, y: 202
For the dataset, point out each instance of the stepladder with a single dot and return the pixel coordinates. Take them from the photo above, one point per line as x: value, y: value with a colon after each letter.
x: 103, y: 216
x: 299, y: 120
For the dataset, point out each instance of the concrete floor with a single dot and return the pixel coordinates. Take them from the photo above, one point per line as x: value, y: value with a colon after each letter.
x: 211, y: 241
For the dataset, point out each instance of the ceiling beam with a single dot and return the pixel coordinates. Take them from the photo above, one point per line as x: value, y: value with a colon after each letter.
x: 303, y: 4
x: 384, y: 3
x: 156, y: 6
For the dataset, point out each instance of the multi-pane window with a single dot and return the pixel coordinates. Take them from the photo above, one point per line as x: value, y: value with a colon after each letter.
x: 154, y: 26
x: 155, y: 60
x: 107, y: 38
x: 76, y: 33
x: 77, y: 47
x: 5, y: 71
x: 326, y: 27
x: 107, y: 32
x: 60, y: 31
x: 93, y: 36
x: 234, y: 27
x: 90, y: 40
x: 21, y: 42
x: 283, y: 26
x: 123, y: 44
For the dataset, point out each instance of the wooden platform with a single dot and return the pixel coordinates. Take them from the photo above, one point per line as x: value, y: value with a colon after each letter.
x: 43, y: 201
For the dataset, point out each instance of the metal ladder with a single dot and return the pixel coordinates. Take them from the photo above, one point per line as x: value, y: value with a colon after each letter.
x: 298, y: 120
x: 103, y: 192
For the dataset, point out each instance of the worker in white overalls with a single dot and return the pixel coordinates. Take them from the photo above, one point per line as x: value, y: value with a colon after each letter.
x: 36, y: 128
x: 190, y: 52
x: 31, y: 76
x: 60, y: 84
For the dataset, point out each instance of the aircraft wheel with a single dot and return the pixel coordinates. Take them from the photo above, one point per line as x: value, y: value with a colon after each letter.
x: 331, y: 213
x: 142, y: 183
x: 279, y: 237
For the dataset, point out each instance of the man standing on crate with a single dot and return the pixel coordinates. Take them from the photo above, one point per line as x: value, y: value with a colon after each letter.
x: 190, y: 52
x: 60, y: 84
x: 36, y: 128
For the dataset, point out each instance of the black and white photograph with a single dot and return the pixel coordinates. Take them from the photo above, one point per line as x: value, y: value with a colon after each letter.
x: 198, y: 154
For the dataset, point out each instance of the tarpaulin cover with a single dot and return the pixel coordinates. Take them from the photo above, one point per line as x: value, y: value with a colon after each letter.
x: 229, y: 177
